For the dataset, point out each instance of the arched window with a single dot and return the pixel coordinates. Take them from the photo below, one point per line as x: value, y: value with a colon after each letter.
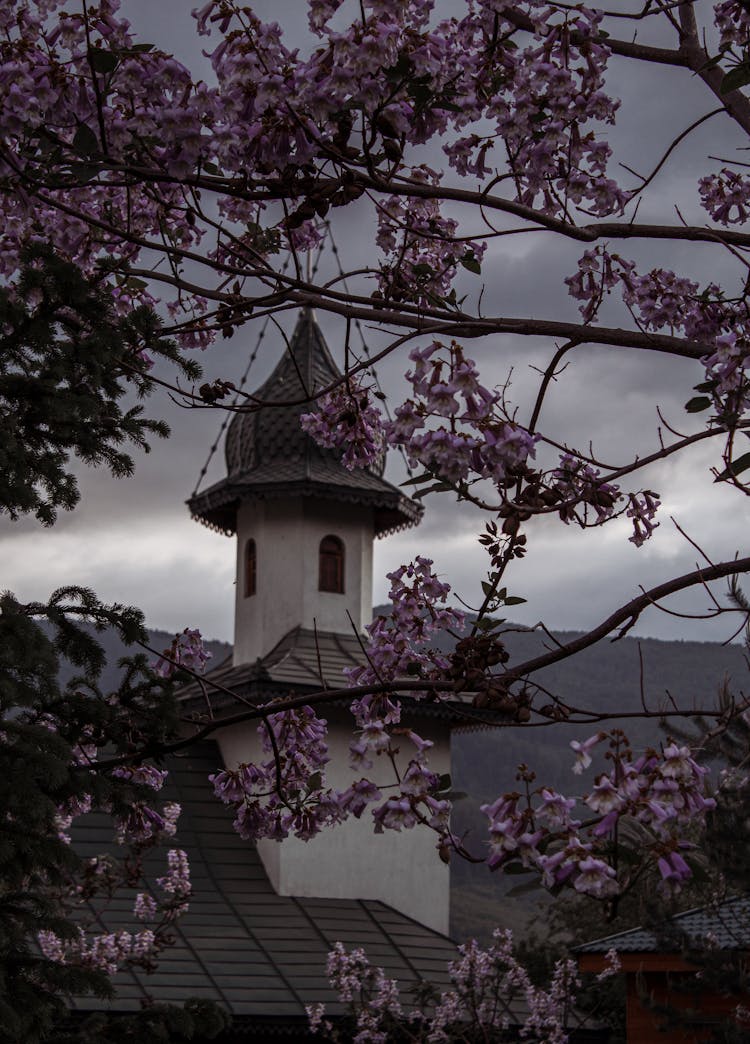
x: 251, y: 568
x: 331, y: 569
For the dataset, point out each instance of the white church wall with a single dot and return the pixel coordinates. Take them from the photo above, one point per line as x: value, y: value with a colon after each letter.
x: 349, y: 861
x: 287, y: 535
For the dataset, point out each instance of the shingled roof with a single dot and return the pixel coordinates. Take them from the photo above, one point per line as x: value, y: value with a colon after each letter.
x: 727, y: 927
x: 308, y: 661
x: 260, y: 955
x: 268, y: 454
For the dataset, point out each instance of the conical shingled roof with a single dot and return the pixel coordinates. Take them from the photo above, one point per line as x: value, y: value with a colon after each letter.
x: 268, y: 454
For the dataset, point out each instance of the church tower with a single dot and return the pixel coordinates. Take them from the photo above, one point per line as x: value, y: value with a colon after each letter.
x: 305, y: 527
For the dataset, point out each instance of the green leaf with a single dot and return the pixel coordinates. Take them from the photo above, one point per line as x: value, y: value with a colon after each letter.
x: 470, y: 262
x: 698, y: 404
x: 514, y: 600
x: 439, y: 487
x: 518, y: 868
x: 314, y: 782
x: 85, y: 142
x: 103, y: 61
x: 444, y: 783
x: 210, y: 168
x: 448, y: 106
x: 489, y: 623
x: 741, y: 464
x: 84, y: 172
x: 736, y: 78
x: 426, y: 476
x: 525, y: 888
x: 133, y: 283
x: 710, y: 63
x: 423, y: 269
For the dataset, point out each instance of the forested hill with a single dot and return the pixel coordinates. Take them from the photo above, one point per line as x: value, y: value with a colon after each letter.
x: 610, y: 676
x: 605, y: 677
x: 617, y: 677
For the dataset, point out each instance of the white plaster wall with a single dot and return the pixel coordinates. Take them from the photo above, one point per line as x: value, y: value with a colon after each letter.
x: 350, y: 861
x: 287, y: 535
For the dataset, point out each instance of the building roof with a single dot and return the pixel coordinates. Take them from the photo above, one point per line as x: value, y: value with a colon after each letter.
x: 308, y: 661
x: 268, y: 454
x: 727, y: 927
x: 260, y: 955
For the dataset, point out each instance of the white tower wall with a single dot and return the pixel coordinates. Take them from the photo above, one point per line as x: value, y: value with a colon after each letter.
x: 349, y: 861
x: 287, y: 534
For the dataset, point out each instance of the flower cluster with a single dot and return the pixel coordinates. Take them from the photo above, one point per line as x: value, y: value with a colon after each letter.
x: 186, y: 650
x: 544, y: 102
x: 144, y: 824
x: 662, y: 792
x: 421, y: 255
x: 67, y: 812
x: 642, y: 511
x: 285, y: 793
x: 726, y: 196
x: 728, y: 370
x: 347, y: 420
x: 399, y: 644
x: 144, y: 907
x: 372, y: 997
x: 176, y: 881
x: 453, y: 426
x: 491, y: 992
x: 107, y: 951
x: 733, y: 22
x: 580, y: 485
x: 660, y: 300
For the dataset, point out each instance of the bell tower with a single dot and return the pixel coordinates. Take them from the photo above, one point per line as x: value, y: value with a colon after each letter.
x: 305, y: 525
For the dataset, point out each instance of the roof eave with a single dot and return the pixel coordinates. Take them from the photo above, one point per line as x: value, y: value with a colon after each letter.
x: 217, y: 506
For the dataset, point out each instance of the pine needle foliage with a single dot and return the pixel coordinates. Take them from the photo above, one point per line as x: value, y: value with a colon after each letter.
x: 41, y: 772
x: 67, y: 361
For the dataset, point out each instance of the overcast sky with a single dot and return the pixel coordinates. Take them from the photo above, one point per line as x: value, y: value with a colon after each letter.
x: 133, y: 541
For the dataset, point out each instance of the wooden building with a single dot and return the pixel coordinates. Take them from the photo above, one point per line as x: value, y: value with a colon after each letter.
x: 674, y: 995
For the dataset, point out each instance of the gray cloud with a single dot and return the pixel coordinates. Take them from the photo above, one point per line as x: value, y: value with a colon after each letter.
x: 133, y: 541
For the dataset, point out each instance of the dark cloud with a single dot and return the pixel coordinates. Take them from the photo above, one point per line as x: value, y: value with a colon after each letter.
x: 133, y: 540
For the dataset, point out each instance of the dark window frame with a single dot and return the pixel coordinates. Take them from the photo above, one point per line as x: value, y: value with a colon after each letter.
x: 251, y: 568
x: 331, y: 562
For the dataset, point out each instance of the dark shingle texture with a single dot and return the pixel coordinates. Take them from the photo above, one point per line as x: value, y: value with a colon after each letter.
x: 268, y: 454
x: 254, y: 952
x: 306, y: 661
x: 727, y: 928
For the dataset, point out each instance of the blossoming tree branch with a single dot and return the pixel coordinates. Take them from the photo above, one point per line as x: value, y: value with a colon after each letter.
x: 202, y: 200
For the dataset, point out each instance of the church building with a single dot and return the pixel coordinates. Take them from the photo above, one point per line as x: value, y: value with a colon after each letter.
x: 263, y: 917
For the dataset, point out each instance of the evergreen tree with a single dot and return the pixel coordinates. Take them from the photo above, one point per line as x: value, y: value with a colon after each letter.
x: 66, y: 364
x: 68, y: 359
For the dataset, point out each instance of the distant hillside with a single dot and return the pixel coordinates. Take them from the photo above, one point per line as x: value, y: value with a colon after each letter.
x: 605, y: 677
